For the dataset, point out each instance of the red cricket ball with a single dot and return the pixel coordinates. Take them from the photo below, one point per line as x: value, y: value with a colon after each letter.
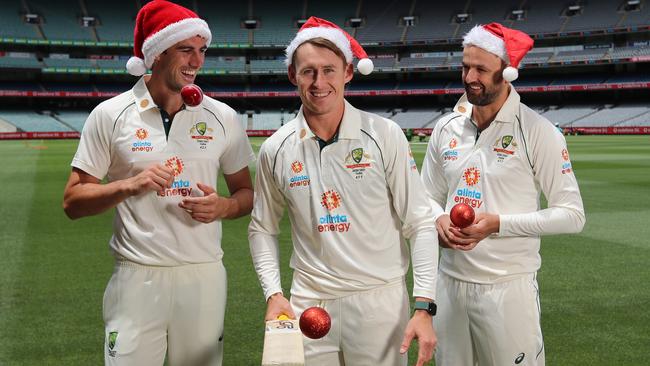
x: 315, y: 322
x: 192, y: 95
x: 462, y: 215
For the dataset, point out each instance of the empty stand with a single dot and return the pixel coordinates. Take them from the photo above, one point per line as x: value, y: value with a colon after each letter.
x: 224, y: 21
x: 11, y: 22
x: 74, y: 119
x: 611, y: 116
x: 116, y: 22
x: 277, y: 21
x: 567, y: 115
x: 30, y: 121
x: 61, y: 20
x: 382, y: 19
x: 434, y: 20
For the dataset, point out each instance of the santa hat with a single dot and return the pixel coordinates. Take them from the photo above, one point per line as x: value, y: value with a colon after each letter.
x: 159, y: 25
x: 320, y: 28
x: 509, y: 44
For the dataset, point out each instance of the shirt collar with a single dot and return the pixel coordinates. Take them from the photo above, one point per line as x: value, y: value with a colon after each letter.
x: 507, y: 113
x: 349, y: 129
x: 143, y: 99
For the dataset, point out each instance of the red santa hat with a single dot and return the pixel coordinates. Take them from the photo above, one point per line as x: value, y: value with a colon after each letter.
x: 320, y: 28
x: 159, y: 25
x: 509, y: 44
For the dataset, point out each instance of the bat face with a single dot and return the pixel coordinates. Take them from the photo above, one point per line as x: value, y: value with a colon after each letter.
x: 283, y: 344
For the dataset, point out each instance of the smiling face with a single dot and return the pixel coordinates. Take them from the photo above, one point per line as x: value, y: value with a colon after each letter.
x: 482, y: 76
x: 179, y: 64
x: 320, y: 75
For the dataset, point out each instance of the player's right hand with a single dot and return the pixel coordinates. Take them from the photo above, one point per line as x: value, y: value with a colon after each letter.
x: 155, y: 178
x: 448, y: 239
x: 278, y: 305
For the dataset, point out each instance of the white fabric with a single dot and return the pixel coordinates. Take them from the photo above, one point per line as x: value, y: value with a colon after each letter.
x: 360, y: 244
x: 334, y: 35
x: 367, y: 328
x: 481, y: 38
x: 149, y: 228
x: 510, y: 181
x: 187, y: 28
x: 157, y: 310
x: 489, y: 324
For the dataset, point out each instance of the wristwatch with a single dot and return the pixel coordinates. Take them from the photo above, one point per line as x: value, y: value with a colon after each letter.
x: 429, y: 307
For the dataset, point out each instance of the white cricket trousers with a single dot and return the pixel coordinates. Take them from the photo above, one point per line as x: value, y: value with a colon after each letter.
x: 488, y: 324
x: 367, y: 328
x: 152, y: 311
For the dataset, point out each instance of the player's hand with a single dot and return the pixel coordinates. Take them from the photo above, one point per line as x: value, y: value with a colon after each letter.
x: 207, y: 208
x: 155, y: 178
x: 278, y: 305
x: 421, y: 327
x: 484, y: 225
x: 449, y: 238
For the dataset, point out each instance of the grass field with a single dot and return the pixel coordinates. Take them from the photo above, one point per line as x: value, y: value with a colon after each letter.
x: 595, y: 286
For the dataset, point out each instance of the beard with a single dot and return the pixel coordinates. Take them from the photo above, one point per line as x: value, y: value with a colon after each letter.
x: 488, y: 94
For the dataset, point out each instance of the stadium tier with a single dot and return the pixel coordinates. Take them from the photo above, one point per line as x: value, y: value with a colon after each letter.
x: 566, y: 116
x: 274, y: 22
x: 587, y: 57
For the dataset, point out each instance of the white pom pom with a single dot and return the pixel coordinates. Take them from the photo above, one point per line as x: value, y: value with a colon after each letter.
x: 135, y: 66
x: 365, y: 66
x: 510, y: 74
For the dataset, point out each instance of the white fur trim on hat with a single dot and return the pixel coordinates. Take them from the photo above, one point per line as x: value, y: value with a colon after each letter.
x: 481, y: 38
x: 172, y: 34
x: 332, y: 34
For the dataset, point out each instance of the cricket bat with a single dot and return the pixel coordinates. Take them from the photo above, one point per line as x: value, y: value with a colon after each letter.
x: 283, y: 343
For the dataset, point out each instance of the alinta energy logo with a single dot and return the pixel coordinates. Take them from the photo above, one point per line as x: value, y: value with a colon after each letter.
x: 296, y: 167
x: 141, y: 145
x: 472, y: 197
x: 472, y: 176
x: 566, y: 166
x: 331, y: 222
x: 451, y: 154
x: 301, y: 180
x: 180, y: 187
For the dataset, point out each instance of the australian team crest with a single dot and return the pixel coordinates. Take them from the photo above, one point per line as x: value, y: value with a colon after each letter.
x: 201, y: 133
x: 506, y: 140
x: 357, y: 155
x: 354, y: 161
x: 201, y: 127
x: 504, y: 147
x: 112, y: 340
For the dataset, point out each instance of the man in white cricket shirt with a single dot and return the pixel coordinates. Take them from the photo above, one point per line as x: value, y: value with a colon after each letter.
x: 167, y: 295
x: 354, y: 196
x: 496, y: 155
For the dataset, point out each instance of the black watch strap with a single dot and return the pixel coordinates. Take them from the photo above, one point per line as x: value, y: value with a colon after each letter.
x: 428, y: 306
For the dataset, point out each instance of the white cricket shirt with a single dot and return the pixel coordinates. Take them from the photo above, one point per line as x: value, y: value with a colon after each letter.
x: 124, y: 135
x: 502, y: 170
x: 351, y: 206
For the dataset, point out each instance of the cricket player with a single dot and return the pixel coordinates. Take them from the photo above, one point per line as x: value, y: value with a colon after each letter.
x: 160, y: 158
x: 496, y: 155
x: 353, y: 195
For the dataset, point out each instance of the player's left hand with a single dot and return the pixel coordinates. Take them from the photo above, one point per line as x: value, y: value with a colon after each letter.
x: 421, y: 327
x: 208, y: 208
x: 484, y: 225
